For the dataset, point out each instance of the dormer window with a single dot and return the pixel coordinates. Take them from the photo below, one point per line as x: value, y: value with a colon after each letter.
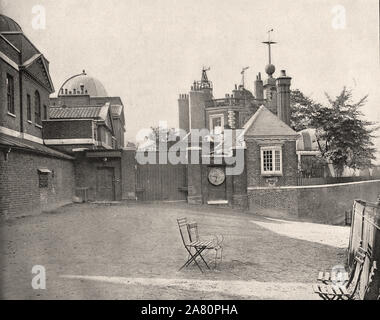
x: 216, y: 123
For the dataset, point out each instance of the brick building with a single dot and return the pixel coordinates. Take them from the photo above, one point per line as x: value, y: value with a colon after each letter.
x: 55, y: 148
x: 261, y: 120
x: 89, y: 124
x: 33, y: 177
x: 83, y: 116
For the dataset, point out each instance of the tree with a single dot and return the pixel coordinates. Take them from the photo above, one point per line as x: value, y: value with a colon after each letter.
x: 163, y: 135
x: 344, y: 137
x: 347, y: 136
x: 301, y: 109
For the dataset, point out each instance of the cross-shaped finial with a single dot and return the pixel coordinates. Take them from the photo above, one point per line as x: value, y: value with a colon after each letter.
x: 269, y: 42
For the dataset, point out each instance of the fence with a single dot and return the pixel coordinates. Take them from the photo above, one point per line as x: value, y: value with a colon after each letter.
x: 365, y: 232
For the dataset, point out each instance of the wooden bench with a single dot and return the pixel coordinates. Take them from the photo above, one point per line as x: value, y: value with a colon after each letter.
x: 328, y: 277
x: 348, y: 290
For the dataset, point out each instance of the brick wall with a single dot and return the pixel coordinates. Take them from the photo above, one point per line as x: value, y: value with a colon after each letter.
x: 19, y: 184
x: 289, y: 165
x: 74, y: 129
x: 29, y: 86
x: 197, y: 109
x: 183, y: 112
x: 128, y: 175
x: 321, y: 204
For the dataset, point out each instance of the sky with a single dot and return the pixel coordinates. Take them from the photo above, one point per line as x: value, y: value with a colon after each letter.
x: 149, y: 51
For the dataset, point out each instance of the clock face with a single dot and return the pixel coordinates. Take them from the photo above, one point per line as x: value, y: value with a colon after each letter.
x: 216, y: 176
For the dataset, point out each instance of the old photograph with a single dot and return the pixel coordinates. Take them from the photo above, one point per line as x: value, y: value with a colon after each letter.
x: 189, y: 150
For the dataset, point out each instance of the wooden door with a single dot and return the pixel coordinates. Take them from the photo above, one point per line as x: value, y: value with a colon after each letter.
x: 105, y: 190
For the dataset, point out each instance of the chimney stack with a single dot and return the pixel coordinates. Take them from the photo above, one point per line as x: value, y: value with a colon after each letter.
x: 283, y: 97
x: 259, y: 87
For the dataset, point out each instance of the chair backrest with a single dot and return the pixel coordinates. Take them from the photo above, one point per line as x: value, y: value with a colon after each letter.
x: 192, y: 229
x: 182, y: 225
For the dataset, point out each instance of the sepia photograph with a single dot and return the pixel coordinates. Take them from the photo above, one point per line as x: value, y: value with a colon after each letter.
x: 206, y: 152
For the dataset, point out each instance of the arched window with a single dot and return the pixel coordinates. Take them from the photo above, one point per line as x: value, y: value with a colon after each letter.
x: 37, y: 107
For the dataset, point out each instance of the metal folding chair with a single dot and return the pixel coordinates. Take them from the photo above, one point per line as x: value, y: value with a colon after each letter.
x: 217, y: 240
x: 198, y: 245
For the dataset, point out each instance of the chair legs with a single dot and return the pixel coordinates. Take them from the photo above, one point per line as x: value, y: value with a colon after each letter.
x: 194, y: 257
x: 220, y: 257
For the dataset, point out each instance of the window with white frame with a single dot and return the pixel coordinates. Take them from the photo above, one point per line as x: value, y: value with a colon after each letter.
x: 271, y: 160
x: 216, y: 123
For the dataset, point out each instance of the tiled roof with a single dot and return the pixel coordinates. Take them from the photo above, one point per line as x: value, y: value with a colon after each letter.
x: 19, y: 143
x: 265, y: 123
x: 77, y: 112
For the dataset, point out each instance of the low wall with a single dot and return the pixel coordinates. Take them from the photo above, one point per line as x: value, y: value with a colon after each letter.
x: 322, y: 203
x: 20, y: 193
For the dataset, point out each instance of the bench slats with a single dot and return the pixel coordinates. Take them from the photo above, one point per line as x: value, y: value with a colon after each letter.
x: 316, y: 288
x: 330, y: 290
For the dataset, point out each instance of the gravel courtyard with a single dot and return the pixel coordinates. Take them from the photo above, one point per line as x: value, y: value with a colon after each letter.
x: 133, y: 251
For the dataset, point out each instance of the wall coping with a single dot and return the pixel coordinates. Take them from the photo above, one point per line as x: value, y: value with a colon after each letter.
x: 313, y: 186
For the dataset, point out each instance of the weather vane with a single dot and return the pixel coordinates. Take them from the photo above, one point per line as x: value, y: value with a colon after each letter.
x: 269, y: 42
x: 204, y: 74
x: 242, y: 75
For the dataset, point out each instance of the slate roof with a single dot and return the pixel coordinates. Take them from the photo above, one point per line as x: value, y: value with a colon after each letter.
x: 20, y: 143
x: 8, y: 24
x: 77, y: 112
x: 266, y: 124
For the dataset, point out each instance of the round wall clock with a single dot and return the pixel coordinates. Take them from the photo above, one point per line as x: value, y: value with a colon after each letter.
x: 216, y: 176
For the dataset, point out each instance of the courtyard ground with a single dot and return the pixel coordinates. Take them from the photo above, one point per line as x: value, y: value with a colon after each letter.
x: 133, y: 251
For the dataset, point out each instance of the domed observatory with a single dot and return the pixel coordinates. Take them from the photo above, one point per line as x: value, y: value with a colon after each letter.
x: 84, y: 117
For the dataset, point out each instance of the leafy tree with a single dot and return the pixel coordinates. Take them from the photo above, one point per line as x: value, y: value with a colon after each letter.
x: 160, y: 134
x: 344, y: 137
x: 301, y: 109
x: 347, y: 136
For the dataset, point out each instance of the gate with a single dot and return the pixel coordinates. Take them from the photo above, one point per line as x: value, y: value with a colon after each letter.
x: 161, y: 182
x: 105, y: 184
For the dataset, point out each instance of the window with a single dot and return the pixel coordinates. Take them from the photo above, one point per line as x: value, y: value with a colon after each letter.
x: 43, y: 180
x: 29, y: 107
x: 216, y: 123
x: 10, y: 94
x: 43, y: 177
x: 45, y: 113
x: 37, y: 107
x: 271, y: 160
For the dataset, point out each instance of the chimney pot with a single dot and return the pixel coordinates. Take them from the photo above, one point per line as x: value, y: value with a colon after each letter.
x: 283, y: 73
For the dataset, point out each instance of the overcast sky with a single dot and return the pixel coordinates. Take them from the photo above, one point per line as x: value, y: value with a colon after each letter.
x: 149, y: 51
